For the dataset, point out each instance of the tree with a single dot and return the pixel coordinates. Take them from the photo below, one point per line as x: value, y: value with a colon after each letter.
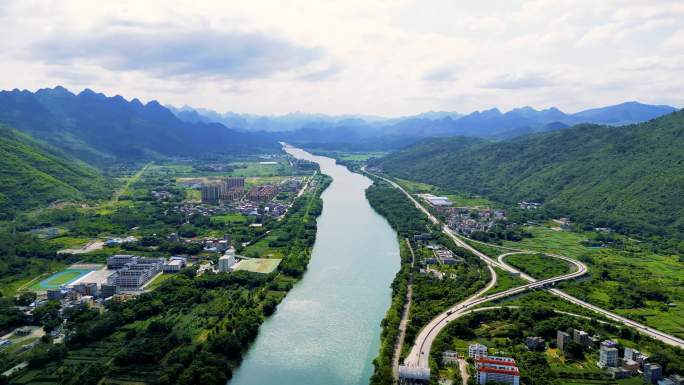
x: 26, y: 298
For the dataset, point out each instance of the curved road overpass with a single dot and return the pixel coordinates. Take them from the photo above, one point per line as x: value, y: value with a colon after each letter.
x: 420, y: 352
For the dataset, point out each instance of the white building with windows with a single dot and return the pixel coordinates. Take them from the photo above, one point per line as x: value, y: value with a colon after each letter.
x: 608, y: 357
x: 477, y: 350
x: 499, y: 370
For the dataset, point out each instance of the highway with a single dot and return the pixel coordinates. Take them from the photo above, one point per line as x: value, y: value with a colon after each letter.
x: 420, y: 352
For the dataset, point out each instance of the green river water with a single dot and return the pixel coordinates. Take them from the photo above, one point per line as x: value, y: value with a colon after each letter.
x: 327, y: 330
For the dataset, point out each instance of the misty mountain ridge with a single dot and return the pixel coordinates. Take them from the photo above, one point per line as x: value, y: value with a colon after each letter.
x: 489, y: 124
x: 100, y: 129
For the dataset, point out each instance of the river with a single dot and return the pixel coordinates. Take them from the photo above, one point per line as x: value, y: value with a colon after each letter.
x: 327, y: 330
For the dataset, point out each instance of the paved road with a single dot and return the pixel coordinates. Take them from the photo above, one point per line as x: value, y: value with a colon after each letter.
x: 651, y: 332
x: 404, y: 317
x: 420, y: 352
x: 419, y: 355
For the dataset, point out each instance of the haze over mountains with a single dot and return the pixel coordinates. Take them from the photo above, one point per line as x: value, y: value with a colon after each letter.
x: 59, y: 131
x: 630, y: 177
x: 490, y: 124
x: 100, y: 129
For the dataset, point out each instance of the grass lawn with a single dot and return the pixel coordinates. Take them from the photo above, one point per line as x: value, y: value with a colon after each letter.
x: 156, y: 282
x: 505, y: 281
x: 539, y: 266
x: 163, y: 169
x: 463, y: 200
x: 261, y: 247
x: 490, y: 250
x: 416, y: 187
x: 229, y: 218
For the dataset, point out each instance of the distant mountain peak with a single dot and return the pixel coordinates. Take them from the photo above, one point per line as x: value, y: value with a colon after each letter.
x: 88, y: 93
x: 56, y: 91
x: 525, y: 109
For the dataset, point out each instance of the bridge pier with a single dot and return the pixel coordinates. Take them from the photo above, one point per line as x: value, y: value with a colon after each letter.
x: 413, y: 375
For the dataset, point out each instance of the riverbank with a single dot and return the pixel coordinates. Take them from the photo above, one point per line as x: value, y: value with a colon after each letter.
x: 327, y: 330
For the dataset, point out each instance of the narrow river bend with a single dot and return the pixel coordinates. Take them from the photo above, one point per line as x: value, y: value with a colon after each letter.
x: 327, y: 330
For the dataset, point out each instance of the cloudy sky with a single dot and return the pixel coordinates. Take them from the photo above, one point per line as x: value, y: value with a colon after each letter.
x: 370, y: 57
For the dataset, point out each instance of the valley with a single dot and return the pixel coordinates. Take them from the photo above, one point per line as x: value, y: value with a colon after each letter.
x: 514, y: 228
x: 341, y: 193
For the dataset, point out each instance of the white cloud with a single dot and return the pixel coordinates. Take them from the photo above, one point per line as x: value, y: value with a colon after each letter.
x: 380, y: 57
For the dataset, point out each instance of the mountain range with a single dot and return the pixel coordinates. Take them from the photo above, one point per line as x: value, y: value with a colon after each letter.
x: 100, y: 129
x: 628, y: 177
x: 363, y: 130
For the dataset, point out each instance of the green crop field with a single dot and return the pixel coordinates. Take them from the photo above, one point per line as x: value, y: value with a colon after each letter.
x: 245, y: 169
x: 546, y: 240
x: 355, y: 156
x: 623, y: 281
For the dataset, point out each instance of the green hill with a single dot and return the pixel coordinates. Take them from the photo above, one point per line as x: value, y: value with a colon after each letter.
x: 33, y: 174
x: 629, y: 177
x: 100, y: 130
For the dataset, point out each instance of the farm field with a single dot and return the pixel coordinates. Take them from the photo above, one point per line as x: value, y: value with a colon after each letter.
x: 230, y: 218
x: 620, y: 280
x: 245, y: 169
x: 360, y: 156
x: 546, y: 240
x: 258, y: 265
x: 462, y: 200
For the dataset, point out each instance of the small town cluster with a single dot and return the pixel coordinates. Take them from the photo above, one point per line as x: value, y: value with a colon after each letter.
x: 464, y: 220
x: 126, y: 276
x: 437, y: 258
x: 503, y: 370
x: 632, y: 363
x: 230, y: 195
x: 488, y: 369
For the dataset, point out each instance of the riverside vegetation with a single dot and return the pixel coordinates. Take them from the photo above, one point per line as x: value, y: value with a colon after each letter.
x: 155, y: 337
x: 431, y: 295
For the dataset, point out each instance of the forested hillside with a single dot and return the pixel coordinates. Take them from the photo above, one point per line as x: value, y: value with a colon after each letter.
x: 629, y: 177
x: 101, y: 129
x: 34, y: 174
